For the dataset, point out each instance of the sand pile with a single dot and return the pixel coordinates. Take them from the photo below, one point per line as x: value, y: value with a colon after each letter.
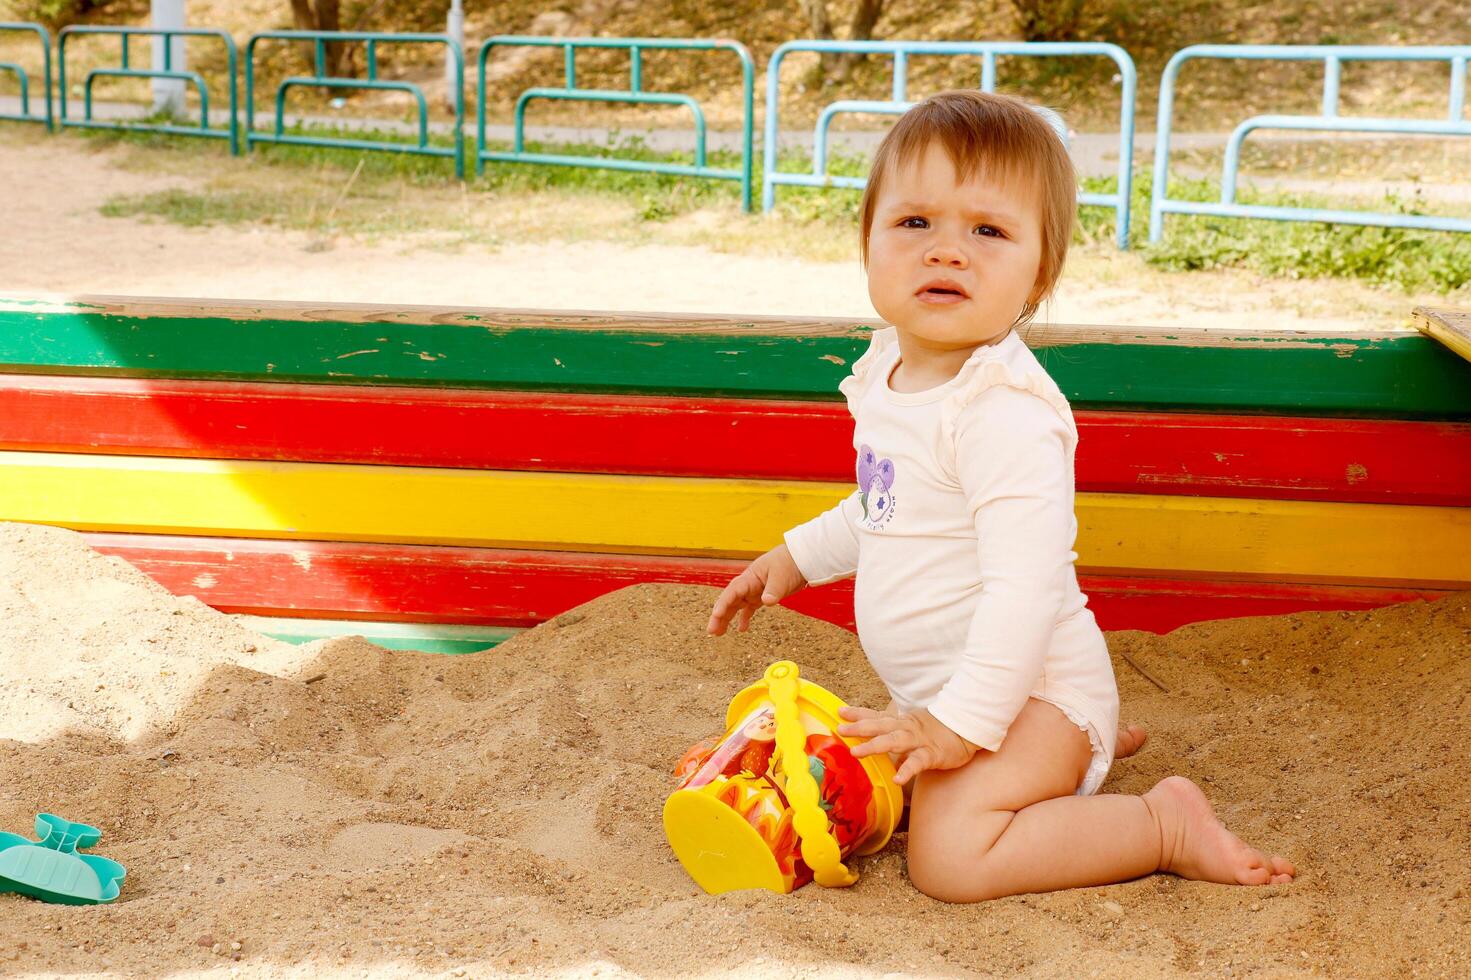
x: 92, y: 644
x: 337, y: 809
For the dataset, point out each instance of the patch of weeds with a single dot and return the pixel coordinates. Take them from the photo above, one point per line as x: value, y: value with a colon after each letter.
x: 836, y: 206
x: 194, y: 210
x: 655, y: 209
x: 1407, y: 259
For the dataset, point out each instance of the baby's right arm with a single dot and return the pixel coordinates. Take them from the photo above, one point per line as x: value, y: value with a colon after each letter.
x: 765, y: 582
x: 822, y: 550
x: 826, y: 547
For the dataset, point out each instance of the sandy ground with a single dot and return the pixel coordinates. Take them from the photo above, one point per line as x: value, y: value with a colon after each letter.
x: 338, y: 810
x: 55, y: 241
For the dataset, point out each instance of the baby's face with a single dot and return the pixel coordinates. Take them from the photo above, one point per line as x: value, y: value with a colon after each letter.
x: 984, y: 237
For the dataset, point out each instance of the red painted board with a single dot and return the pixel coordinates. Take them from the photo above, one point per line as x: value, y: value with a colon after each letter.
x: 1372, y: 461
x: 1276, y: 457
x: 1160, y: 605
x: 334, y: 580
x: 495, y: 430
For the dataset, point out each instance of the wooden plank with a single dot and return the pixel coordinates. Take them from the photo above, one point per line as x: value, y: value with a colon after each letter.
x: 502, y: 319
x: 323, y: 501
x: 509, y: 430
x: 1301, y: 458
x: 414, y: 582
x: 421, y: 584
x: 1451, y: 327
x: 1160, y: 605
x: 1275, y: 540
x: 1275, y: 457
x: 1376, y: 372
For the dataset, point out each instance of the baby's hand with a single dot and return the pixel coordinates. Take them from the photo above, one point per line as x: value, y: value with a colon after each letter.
x: 918, y: 737
x: 765, y: 582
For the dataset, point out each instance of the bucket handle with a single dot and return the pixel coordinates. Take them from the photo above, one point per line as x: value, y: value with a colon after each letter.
x: 820, y: 849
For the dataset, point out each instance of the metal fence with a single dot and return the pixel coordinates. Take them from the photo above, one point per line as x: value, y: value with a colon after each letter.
x: 900, y: 51
x: 25, y: 114
x: 634, y: 94
x: 1455, y: 122
x: 1332, y: 57
x: 320, y: 79
x: 125, y: 69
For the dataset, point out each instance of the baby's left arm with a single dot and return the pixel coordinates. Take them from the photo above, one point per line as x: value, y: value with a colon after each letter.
x: 916, y: 736
x: 1013, y: 459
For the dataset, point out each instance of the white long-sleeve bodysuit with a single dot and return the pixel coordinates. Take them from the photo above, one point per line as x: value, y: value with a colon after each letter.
x: 961, y: 534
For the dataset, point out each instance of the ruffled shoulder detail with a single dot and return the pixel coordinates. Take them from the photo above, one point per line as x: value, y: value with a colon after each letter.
x: 855, y: 384
x: 990, y: 367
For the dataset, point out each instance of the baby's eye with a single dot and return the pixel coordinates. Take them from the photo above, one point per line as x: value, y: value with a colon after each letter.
x: 908, y: 223
x: 990, y: 231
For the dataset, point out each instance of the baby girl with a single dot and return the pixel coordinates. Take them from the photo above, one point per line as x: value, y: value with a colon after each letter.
x: 1004, y: 711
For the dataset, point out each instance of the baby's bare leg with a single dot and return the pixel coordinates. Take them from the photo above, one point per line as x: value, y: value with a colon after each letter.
x: 1007, y: 823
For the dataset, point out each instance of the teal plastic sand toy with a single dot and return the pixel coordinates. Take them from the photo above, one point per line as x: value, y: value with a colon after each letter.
x: 51, y: 869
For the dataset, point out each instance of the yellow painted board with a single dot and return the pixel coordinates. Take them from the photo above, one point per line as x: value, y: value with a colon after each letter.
x: 1275, y: 539
x: 425, y: 505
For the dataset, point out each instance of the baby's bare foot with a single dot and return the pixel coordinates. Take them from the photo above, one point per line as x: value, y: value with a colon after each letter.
x: 1130, y: 739
x: 1195, y: 844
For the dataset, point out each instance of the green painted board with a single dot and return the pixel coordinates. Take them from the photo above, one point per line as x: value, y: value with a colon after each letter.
x: 417, y: 637
x: 1363, y: 372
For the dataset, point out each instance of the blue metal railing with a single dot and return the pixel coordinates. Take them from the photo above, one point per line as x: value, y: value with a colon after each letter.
x: 1332, y: 57
x: 25, y: 114
x: 988, y: 51
x: 634, y: 94
x: 125, y: 70
x: 320, y: 79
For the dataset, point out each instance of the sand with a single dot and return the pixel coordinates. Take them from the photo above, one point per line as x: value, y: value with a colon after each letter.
x: 340, y: 810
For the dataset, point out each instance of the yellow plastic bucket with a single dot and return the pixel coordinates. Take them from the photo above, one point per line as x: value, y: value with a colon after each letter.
x: 780, y: 800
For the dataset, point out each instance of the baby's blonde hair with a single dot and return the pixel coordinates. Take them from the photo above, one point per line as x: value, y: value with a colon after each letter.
x: 1002, y: 136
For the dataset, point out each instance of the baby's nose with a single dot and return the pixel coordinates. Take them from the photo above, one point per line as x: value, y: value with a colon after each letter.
x: 946, y: 256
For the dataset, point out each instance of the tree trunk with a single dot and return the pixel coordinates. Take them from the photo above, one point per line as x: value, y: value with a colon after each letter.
x: 820, y: 26
x: 1049, y: 20
x: 816, y: 13
x: 301, y: 15
x: 866, y: 14
x: 325, y: 16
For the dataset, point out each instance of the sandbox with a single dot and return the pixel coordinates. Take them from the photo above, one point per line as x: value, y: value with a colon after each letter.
x: 573, y: 486
x: 336, y: 809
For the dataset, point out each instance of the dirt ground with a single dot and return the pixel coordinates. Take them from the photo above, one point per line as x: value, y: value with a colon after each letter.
x: 55, y: 241
x: 336, y: 810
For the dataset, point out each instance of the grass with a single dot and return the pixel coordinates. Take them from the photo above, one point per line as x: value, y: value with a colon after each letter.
x: 396, y: 195
x: 337, y: 191
x: 1405, y: 259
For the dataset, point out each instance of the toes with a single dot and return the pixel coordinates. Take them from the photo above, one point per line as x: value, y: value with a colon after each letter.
x: 1253, y: 868
x: 1282, y: 868
x: 1130, y: 739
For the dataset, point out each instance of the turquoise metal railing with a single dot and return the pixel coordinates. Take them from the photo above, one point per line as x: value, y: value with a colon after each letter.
x: 125, y: 70
x: 1333, y: 57
x: 320, y: 79
x: 634, y: 94
x: 900, y: 51
x: 25, y: 114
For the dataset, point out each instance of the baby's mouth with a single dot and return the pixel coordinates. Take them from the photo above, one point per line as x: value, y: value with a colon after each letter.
x: 942, y: 295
